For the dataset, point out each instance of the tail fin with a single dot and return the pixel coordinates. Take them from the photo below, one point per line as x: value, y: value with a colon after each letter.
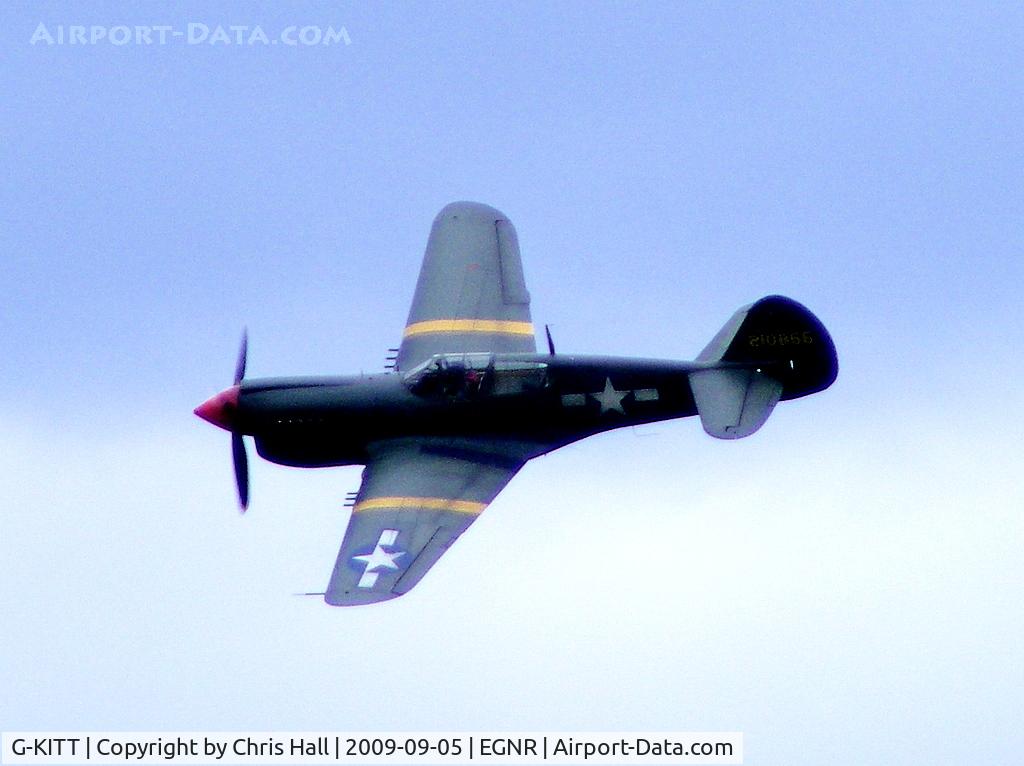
x: 771, y: 350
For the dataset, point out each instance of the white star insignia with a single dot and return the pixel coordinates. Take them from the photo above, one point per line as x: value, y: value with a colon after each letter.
x: 610, y: 399
x: 379, y: 559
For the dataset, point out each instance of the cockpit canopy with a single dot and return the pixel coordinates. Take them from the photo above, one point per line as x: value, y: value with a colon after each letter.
x: 469, y: 375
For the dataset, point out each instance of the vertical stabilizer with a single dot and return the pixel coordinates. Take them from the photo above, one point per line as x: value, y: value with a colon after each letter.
x: 771, y: 350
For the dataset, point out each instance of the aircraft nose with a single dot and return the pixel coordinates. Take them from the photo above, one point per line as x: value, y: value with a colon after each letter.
x: 220, y: 409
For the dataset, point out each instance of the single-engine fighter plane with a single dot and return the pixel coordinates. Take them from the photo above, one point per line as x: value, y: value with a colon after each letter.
x: 469, y: 401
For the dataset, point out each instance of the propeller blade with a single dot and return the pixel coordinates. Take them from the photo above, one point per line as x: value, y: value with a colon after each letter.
x: 551, y: 343
x: 242, y: 353
x: 241, y: 460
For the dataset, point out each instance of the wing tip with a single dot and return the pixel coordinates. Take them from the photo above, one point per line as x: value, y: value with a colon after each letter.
x: 357, y: 597
x: 467, y: 209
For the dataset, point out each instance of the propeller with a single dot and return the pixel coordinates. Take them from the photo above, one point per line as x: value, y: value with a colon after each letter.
x: 241, y: 461
x: 242, y: 353
x: 222, y: 411
x: 238, y: 454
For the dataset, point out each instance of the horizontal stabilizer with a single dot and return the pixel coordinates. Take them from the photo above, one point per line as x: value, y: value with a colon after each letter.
x: 733, y: 403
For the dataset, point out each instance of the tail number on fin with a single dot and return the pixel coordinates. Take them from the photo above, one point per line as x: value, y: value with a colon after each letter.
x: 805, y: 338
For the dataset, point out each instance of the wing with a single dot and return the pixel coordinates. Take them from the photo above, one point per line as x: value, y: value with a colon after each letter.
x: 471, y: 295
x: 417, y: 497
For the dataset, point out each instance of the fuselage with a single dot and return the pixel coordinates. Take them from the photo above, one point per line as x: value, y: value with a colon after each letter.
x: 538, y: 402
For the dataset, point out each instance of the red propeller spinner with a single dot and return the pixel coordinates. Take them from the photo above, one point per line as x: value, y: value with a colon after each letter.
x: 220, y: 409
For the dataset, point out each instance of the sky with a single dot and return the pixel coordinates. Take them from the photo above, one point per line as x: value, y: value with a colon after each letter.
x: 843, y: 586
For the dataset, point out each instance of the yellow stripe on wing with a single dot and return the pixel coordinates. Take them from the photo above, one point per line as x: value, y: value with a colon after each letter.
x: 492, y: 326
x: 431, y: 503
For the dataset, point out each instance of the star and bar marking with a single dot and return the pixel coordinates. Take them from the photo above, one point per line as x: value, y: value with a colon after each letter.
x: 610, y: 398
x: 379, y: 558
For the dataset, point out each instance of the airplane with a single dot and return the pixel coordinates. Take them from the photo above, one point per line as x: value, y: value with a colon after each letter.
x: 469, y: 400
